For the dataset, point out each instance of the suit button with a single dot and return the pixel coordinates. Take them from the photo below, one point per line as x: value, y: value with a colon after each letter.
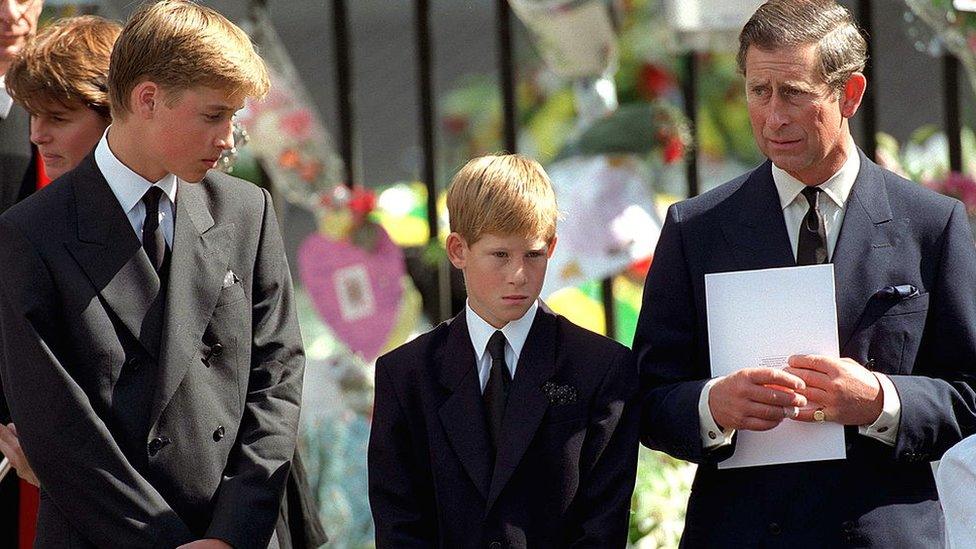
x: 495, y: 545
x: 132, y: 364
x: 774, y: 529
x: 848, y: 526
x: 869, y: 364
x: 156, y: 444
x: 219, y: 433
x: 217, y: 349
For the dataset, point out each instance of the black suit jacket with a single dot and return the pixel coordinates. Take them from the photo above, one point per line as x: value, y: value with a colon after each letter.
x: 17, y: 169
x: 17, y: 180
x: 152, y: 414
x: 564, y: 472
x: 894, y: 232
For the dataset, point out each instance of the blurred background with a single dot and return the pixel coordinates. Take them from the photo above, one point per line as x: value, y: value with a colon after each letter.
x: 630, y: 104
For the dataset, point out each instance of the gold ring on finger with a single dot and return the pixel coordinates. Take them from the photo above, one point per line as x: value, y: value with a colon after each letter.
x: 819, y: 416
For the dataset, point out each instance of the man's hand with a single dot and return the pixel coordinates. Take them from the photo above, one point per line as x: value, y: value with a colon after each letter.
x: 206, y: 544
x: 847, y: 392
x: 10, y: 447
x: 755, y: 399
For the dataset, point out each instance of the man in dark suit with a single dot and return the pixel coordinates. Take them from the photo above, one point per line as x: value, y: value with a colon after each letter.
x: 508, y: 426
x: 151, y: 356
x: 18, y: 178
x: 905, y: 269
x: 18, y: 21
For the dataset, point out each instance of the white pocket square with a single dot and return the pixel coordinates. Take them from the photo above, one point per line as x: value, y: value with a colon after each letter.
x: 230, y: 279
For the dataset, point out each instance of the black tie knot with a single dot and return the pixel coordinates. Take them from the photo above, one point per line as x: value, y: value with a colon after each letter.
x: 496, y: 345
x: 812, y: 194
x: 152, y: 196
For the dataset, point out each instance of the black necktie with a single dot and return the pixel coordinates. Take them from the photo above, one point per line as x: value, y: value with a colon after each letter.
x: 152, y: 234
x: 812, y: 246
x: 496, y: 391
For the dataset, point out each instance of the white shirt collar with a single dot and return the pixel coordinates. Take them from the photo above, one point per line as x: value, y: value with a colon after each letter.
x: 6, y: 102
x: 516, y: 331
x: 128, y: 186
x: 837, y: 188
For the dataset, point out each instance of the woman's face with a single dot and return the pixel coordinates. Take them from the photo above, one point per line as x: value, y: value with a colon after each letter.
x: 65, y: 135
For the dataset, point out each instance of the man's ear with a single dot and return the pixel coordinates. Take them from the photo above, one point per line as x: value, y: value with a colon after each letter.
x: 852, y: 94
x: 457, y: 250
x: 146, y: 98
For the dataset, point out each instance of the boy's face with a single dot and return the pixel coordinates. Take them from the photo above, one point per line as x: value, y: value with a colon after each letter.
x: 189, y: 135
x: 503, y: 274
x: 65, y: 135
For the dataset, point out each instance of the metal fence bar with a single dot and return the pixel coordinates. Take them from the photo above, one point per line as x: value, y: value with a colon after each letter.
x: 953, y: 124
x: 343, y: 54
x: 869, y: 113
x: 428, y: 172
x: 689, y: 88
x: 506, y: 66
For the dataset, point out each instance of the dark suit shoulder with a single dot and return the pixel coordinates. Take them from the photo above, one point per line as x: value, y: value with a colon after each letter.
x: 233, y: 195
x: 415, y: 354
x: 573, y: 337
x: 714, y: 199
x: 41, y: 216
x: 911, y: 199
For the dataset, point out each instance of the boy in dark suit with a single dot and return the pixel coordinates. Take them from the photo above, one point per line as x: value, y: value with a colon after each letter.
x: 150, y: 352
x: 507, y: 426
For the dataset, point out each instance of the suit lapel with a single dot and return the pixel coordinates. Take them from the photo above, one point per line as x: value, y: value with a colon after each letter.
x: 198, y: 265
x: 868, y: 239
x: 754, y: 224
x: 109, y: 252
x: 463, y: 413
x: 527, y: 403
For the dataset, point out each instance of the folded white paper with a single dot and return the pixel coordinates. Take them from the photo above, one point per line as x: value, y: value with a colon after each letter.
x: 760, y: 318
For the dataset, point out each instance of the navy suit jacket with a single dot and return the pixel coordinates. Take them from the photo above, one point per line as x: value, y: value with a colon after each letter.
x: 894, y: 232
x: 565, y: 470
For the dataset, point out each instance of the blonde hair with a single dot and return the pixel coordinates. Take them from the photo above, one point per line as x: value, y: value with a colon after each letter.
x: 502, y: 194
x: 180, y: 45
x: 66, y: 64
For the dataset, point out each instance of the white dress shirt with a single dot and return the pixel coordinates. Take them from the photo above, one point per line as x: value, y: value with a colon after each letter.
x: 6, y: 102
x: 956, y: 482
x: 129, y: 188
x: 837, y: 189
x: 515, y: 332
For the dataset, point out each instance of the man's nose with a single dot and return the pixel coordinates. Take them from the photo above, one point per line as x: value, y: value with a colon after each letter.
x: 518, y: 277
x: 226, y: 139
x: 777, y: 115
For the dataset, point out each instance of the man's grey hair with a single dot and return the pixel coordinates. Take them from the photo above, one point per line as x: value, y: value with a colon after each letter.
x: 787, y: 23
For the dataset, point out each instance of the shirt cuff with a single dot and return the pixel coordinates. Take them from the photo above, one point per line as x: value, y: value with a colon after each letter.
x: 885, y: 428
x: 712, y: 436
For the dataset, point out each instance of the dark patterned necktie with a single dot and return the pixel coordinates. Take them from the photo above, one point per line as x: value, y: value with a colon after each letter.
x: 496, y: 391
x: 152, y: 233
x: 812, y: 246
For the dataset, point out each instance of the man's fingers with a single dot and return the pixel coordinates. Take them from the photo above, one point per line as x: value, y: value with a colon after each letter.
x: 773, y: 396
x: 774, y: 376
x: 818, y: 363
x: 812, y: 378
x: 816, y: 397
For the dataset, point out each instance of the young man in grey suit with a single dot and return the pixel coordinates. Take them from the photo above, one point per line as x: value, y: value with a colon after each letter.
x: 905, y: 269
x: 150, y: 351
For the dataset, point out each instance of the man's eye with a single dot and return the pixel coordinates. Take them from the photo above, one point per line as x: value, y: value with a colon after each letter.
x: 534, y: 254
x: 500, y: 254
